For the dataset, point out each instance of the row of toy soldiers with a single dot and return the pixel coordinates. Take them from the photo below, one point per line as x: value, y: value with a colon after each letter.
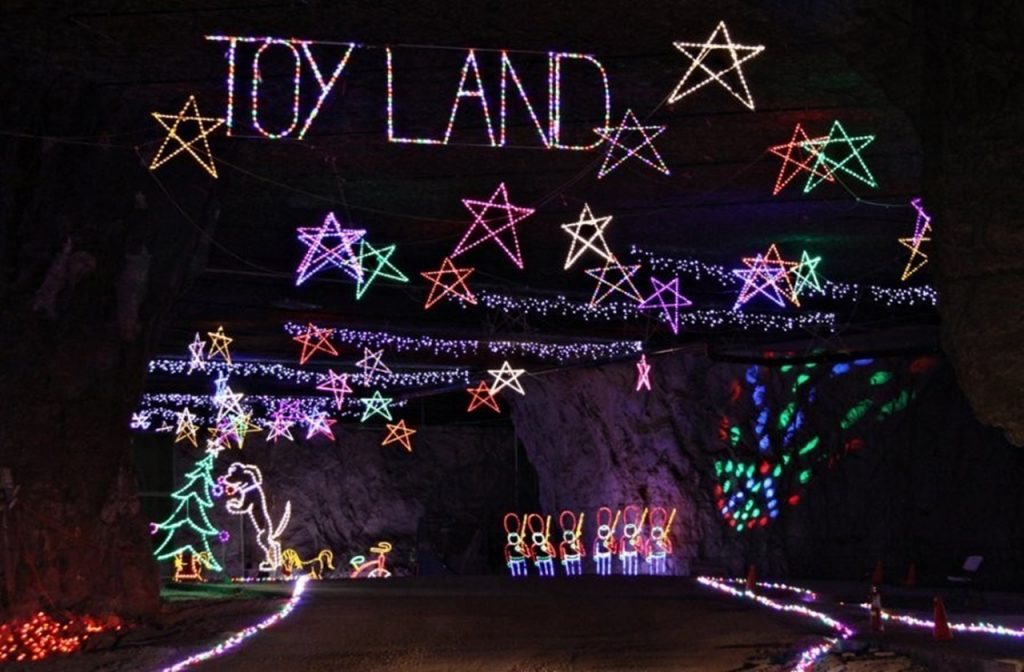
x: 528, y: 539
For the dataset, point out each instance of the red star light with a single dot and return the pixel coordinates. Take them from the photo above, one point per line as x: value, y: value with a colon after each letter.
x: 482, y: 396
x: 806, y: 151
x: 457, y: 288
x: 482, y: 229
x: 309, y: 347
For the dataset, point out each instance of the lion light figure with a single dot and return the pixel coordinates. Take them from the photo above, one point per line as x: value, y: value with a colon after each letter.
x: 243, y: 486
x: 291, y: 562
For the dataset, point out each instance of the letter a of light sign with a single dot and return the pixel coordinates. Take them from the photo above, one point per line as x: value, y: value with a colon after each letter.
x: 480, y: 93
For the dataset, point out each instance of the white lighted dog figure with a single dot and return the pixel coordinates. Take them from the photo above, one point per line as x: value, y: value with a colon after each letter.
x: 243, y: 486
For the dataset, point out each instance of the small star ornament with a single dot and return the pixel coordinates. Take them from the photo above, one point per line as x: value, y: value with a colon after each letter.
x: 643, y: 374
x: 219, y: 343
x: 730, y: 77
x: 629, y: 140
x: 508, y: 377
x: 799, y: 155
x: 376, y: 263
x: 376, y: 404
x: 481, y: 396
x: 195, y: 351
x: 501, y: 229
x: 317, y: 423
x: 457, y: 288
x: 315, y: 339
x: 668, y: 300
x: 373, y: 367
x: 337, y: 385
x: 188, y: 122
x: 186, y: 429
x: 614, y: 278
x: 591, y: 241
x: 329, y: 246
x: 399, y: 433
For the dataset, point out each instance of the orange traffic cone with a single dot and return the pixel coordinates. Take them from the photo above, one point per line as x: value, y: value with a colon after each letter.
x: 942, y: 631
x: 876, y: 610
x: 911, y: 581
x: 877, y: 575
x: 751, y: 577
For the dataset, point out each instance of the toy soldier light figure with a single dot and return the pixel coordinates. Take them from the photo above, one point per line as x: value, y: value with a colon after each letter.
x: 605, y: 544
x: 571, y: 550
x: 516, y: 550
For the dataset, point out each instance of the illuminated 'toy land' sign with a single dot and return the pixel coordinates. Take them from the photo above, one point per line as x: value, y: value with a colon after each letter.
x: 488, y: 86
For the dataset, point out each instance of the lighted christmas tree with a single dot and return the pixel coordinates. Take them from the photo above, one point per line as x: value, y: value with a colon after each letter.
x: 188, y: 529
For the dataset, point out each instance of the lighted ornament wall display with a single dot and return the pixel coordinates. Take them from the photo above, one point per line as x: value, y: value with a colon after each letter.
x: 592, y: 241
x: 314, y: 340
x: 922, y: 227
x: 667, y: 299
x: 631, y: 139
x: 317, y: 423
x: 517, y: 552
x: 481, y: 395
x: 572, y: 548
x: 337, y: 385
x: 542, y: 552
x: 188, y: 529
x: 376, y: 404
x: 847, y: 292
x: 614, y: 278
x: 508, y: 377
x: 303, y: 58
x: 292, y: 564
x: 375, y: 263
x: 373, y: 367
x: 194, y: 571
x: 195, y: 351
x: 698, y: 53
x: 243, y: 487
x: 643, y: 374
x: 606, y: 542
x: 187, y: 122
x: 329, y: 246
x: 499, y: 228
x: 837, y: 142
x: 550, y: 137
x: 769, y: 276
x: 186, y: 429
x: 457, y: 289
x: 399, y: 433
x: 219, y: 343
x: 372, y: 569
x: 802, y: 152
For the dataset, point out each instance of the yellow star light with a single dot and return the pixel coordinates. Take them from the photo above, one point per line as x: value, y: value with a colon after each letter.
x: 189, y: 115
x: 219, y: 343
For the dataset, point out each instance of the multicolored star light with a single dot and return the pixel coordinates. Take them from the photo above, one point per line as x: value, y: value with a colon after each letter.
x: 624, y: 285
x: 458, y: 287
x: 483, y: 229
x: 631, y: 126
x: 805, y: 149
x: 399, y: 433
x: 172, y: 124
x: 764, y: 273
x: 922, y: 227
x: 698, y: 52
x: 329, y: 245
x: 314, y: 339
x: 372, y: 365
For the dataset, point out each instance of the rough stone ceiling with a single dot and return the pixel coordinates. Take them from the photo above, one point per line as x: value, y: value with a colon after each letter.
x: 716, y: 206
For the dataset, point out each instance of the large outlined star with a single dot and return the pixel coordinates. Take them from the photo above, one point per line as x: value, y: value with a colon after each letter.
x: 315, y: 339
x: 593, y: 242
x: 328, y: 245
x: 381, y: 267
x: 485, y: 229
x: 376, y: 404
x: 624, y: 285
x: 481, y: 396
x: 457, y: 288
x: 805, y: 149
x: 614, y: 135
x: 164, y: 154
x: 699, y: 51
x: 825, y: 165
x: 399, y: 433
x: 668, y: 300
x: 508, y: 377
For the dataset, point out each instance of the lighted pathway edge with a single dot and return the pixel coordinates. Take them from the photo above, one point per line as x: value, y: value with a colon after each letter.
x: 237, y: 638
